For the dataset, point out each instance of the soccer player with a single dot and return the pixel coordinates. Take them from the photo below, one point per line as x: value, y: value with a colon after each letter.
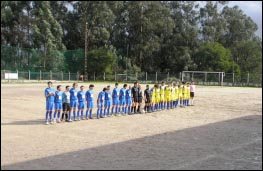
x: 168, y: 96
x: 135, y: 99
x: 115, y: 100
x: 139, y: 98
x: 58, y: 104
x: 176, y: 95
x: 100, y: 103
x: 192, y: 92
x: 128, y: 97
x: 81, y: 99
x: 184, y: 93
x: 107, y: 102
x: 162, y: 99
x: 147, y: 99
x: 187, y: 94
x: 49, y: 95
x: 155, y: 97
x: 90, y: 101
x: 73, y: 101
x: 65, y: 104
x: 122, y: 99
x: 180, y: 94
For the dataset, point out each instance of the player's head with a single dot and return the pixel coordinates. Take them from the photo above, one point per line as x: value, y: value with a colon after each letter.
x: 163, y: 83
x: 104, y: 89
x: 116, y: 85
x: 147, y: 86
x: 188, y: 83
x: 59, y: 87
x: 75, y: 85
x: 192, y: 83
x: 139, y: 86
x: 135, y: 84
x: 108, y: 87
x: 130, y: 87
x: 91, y: 86
x: 125, y: 86
x: 82, y: 88
x: 67, y: 88
x: 183, y: 83
x: 155, y: 85
x: 49, y: 84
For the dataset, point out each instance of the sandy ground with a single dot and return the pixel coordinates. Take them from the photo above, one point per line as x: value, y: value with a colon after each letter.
x: 222, y: 131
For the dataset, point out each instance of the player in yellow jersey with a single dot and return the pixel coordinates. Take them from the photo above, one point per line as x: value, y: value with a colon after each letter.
x: 168, y: 96
x: 180, y: 95
x: 173, y: 94
x: 157, y: 97
x: 184, y: 94
x: 188, y: 94
x: 176, y: 89
x: 162, y: 99
x: 153, y: 103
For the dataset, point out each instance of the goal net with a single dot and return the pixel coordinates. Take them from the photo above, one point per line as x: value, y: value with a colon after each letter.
x: 204, y: 77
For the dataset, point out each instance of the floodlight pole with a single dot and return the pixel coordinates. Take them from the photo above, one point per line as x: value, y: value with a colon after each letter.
x: 86, y: 44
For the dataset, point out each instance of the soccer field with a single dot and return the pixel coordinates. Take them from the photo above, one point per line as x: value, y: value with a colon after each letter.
x: 222, y: 131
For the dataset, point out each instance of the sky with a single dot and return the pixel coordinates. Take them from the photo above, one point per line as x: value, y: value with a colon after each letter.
x: 252, y: 9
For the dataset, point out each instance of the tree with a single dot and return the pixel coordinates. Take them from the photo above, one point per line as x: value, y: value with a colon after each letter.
x: 47, y: 32
x: 213, y: 57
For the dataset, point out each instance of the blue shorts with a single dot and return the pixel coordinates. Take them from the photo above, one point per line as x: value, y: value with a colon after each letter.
x: 73, y: 104
x: 128, y: 101
x: 49, y: 105
x: 100, y: 106
x: 58, y: 106
x: 115, y: 101
x: 122, y: 102
x: 81, y: 105
x: 90, y: 104
x: 107, y: 103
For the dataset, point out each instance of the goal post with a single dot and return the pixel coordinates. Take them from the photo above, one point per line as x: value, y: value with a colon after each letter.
x: 204, y: 77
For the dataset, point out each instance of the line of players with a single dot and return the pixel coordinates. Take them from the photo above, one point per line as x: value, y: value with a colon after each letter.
x: 127, y: 100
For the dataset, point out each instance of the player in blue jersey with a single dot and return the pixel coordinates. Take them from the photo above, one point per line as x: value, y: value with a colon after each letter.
x: 73, y: 100
x: 90, y: 101
x: 128, y: 97
x: 115, y: 100
x: 122, y: 102
x: 49, y: 95
x: 58, y: 104
x: 100, y: 103
x: 107, y: 102
x: 81, y: 104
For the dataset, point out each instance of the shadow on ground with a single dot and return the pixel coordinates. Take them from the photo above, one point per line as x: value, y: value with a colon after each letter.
x: 27, y: 122
x: 232, y: 144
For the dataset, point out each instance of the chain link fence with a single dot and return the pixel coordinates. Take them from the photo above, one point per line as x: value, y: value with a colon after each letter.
x: 229, y: 79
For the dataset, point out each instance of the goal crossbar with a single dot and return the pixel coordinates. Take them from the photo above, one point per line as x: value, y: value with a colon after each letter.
x: 221, y: 74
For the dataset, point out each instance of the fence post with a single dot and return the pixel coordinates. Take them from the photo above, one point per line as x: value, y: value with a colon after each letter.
x: 104, y: 76
x: 145, y: 76
x: 205, y: 77
x: 222, y: 80
x: 136, y: 75
x: 168, y: 76
x: 29, y: 75
x: 50, y: 75
x: 233, y: 83
x: 247, y: 78
x: 40, y: 75
x: 182, y: 76
x: 115, y: 76
x: 94, y: 77
x: 69, y: 76
x: 193, y: 76
x: 17, y: 74
x: 156, y: 77
x: 78, y: 76
x: 62, y: 75
x: 219, y: 78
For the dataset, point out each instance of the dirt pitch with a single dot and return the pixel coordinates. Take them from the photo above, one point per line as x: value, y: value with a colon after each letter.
x: 222, y: 131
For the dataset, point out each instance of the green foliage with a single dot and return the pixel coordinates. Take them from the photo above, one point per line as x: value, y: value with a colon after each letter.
x: 213, y: 57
